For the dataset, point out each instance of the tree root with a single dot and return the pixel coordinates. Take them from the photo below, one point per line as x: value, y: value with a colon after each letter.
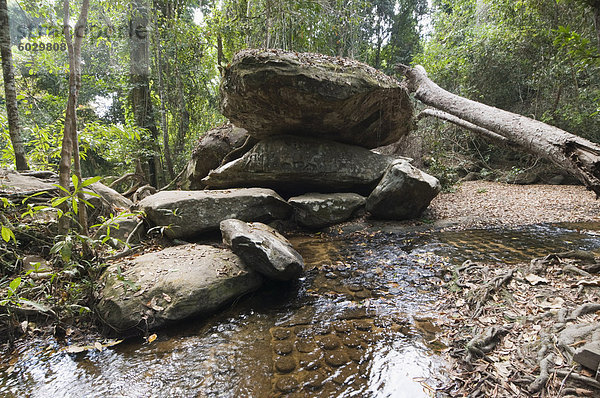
x: 546, y: 365
x: 484, y: 343
x: 485, y: 292
x: 584, y: 309
x: 580, y: 378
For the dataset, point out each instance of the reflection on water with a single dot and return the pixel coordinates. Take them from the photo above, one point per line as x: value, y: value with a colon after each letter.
x: 359, y: 324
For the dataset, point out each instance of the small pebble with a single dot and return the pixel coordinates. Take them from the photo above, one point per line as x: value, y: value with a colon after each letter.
x: 322, y: 329
x: 351, y: 341
x: 283, y: 347
x: 342, y: 327
x: 330, y: 275
x: 287, y: 384
x: 329, y: 342
x: 363, y: 326
x: 336, y: 358
x: 303, y: 331
x: 285, y: 364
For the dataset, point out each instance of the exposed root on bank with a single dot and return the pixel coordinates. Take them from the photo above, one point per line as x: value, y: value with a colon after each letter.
x: 514, y: 330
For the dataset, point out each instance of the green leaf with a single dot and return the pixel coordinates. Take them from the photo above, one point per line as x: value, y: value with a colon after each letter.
x: 90, y: 181
x: 75, y: 182
x: 14, y: 285
x: 62, y: 188
x: 58, y: 201
x: 7, y: 234
x: 74, y: 203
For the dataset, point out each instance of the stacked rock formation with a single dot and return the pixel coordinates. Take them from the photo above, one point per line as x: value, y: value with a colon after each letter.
x: 316, y: 119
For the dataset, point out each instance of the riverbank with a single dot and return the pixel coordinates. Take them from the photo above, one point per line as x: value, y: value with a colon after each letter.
x: 482, y: 204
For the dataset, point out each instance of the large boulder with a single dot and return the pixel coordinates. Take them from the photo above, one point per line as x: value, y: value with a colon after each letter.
x: 271, y: 92
x: 263, y: 249
x: 317, y: 210
x: 295, y: 165
x: 210, y: 151
x: 170, y: 285
x: 403, y: 193
x: 185, y: 214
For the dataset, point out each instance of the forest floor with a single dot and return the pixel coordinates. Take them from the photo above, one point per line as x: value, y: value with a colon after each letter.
x: 483, y: 204
x: 512, y: 329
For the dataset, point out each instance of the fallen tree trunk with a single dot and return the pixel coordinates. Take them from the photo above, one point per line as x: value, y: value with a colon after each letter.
x: 463, y: 123
x: 574, y: 154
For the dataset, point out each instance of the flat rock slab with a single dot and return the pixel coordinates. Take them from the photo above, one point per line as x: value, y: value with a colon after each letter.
x: 403, y: 193
x: 271, y: 92
x: 185, y: 214
x: 316, y: 210
x: 13, y: 182
x: 170, y: 285
x: 296, y: 165
x: 263, y: 249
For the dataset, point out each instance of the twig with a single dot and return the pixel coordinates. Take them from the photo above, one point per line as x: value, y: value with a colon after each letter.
x: 576, y: 376
x: 124, y: 253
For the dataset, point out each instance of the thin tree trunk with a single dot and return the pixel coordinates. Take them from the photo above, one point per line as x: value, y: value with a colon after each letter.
x: 70, y: 144
x: 141, y: 100
x: 578, y: 156
x: 163, y: 113
x: 10, y: 90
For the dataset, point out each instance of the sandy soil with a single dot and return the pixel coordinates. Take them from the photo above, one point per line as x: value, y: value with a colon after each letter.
x: 484, y: 203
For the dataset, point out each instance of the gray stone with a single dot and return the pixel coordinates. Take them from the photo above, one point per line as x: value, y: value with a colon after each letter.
x: 263, y: 249
x: 114, y: 200
x: 270, y: 92
x: 188, y: 213
x: 589, y: 355
x: 170, y: 285
x: 403, y: 193
x: 296, y: 165
x: 210, y: 150
x: 315, y: 210
x: 13, y: 182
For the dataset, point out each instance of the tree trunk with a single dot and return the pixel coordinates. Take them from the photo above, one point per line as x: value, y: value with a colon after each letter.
x: 141, y: 100
x: 464, y: 124
x: 70, y: 144
x: 574, y: 154
x: 10, y: 90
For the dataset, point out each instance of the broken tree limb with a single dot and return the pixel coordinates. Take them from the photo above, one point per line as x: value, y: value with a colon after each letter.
x: 463, y: 123
x: 574, y: 154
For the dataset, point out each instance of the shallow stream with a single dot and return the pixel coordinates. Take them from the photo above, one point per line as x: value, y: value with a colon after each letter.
x: 360, y: 323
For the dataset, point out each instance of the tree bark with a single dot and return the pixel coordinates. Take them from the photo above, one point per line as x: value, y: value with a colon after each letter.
x: 141, y: 100
x: 70, y: 143
x: 574, y: 154
x: 10, y: 90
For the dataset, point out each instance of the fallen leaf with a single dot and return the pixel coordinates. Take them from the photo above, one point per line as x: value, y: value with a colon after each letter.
x: 535, y: 280
x: 152, y: 337
x: 167, y: 297
x: 552, y: 303
x: 98, y: 346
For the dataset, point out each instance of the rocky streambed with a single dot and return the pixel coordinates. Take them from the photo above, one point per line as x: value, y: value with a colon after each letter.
x: 362, y: 321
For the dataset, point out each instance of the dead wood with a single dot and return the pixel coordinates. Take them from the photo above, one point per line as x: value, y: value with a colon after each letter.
x: 463, y: 123
x: 574, y: 154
